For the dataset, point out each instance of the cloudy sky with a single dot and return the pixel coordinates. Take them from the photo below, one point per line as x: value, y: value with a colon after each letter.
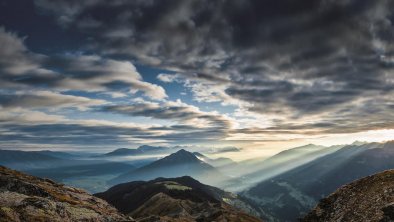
x: 262, y: 75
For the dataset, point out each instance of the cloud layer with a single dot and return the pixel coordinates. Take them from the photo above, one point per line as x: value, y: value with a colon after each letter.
x: 295, y: 59
x: 291, y: 69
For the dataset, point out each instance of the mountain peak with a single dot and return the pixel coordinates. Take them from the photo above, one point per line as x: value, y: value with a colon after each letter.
x: 311, y: 145
x: 182, y: 156
x: 358, y: 143
x: 121, y: 152
x: 183, y: 151
x: 178, y: 158
x: 176, y: 164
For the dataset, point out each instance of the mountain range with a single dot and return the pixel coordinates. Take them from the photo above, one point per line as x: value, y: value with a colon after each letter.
x: 284, y: 187
x: 154, y: 150
x: 257, y: 171
x: 183, y: 199
x: 141, y: 150
x: 22, y: 160
x: 180, y: 163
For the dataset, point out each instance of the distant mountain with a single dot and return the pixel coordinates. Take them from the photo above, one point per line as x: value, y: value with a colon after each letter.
x: 58, y: 154
x: 87, y: 174
x: 90, y: 174
x: 82, y: 168
x: 142, y: 150
x: 181, y: 163
x: 290, y: 195
x: 50, y: 164
x: 175, y: 199
x: 22, y: 160
x: 216, y: 162
x: 358, y: 143
x: 152, y: 150
x: 28, y: 198
x: 121, y: 152
x: 258, y: 171
x: 368, y: 199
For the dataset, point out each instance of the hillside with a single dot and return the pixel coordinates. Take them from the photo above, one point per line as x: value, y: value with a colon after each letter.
x: 28, y: 198
x: 175, y: 199
x: 368, y: 199
x: 279, y: 163
x: 292, y: 194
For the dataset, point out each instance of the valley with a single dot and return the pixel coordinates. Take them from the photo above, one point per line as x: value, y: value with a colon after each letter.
x: 283, y: 187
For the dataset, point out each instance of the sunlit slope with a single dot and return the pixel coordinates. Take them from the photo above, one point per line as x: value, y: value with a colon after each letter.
x: 290, y: 195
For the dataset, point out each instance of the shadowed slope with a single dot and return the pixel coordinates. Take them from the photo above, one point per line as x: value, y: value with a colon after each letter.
x: 180, y: 198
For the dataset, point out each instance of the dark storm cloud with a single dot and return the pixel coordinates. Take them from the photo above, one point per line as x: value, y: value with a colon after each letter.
x: 154, y: 110
x: 366, y: 115
x: 72, y: 134
x: 23, y: 69
x: 45, y: 99
x: 226, y: 150
x: 84, y: 134
x: 289, y: 57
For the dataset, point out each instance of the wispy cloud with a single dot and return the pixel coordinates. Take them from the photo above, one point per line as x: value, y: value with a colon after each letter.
x: 45, y: 99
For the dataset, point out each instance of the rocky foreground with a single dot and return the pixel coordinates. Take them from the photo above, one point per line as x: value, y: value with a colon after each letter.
x: 368, y: 199
x: 27, y: 198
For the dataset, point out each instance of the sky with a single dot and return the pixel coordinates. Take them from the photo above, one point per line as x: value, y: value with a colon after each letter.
x: 262, y: 75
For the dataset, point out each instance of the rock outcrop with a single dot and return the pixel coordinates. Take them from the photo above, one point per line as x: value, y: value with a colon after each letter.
x: 368, y: 199
x: 28, y: 198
